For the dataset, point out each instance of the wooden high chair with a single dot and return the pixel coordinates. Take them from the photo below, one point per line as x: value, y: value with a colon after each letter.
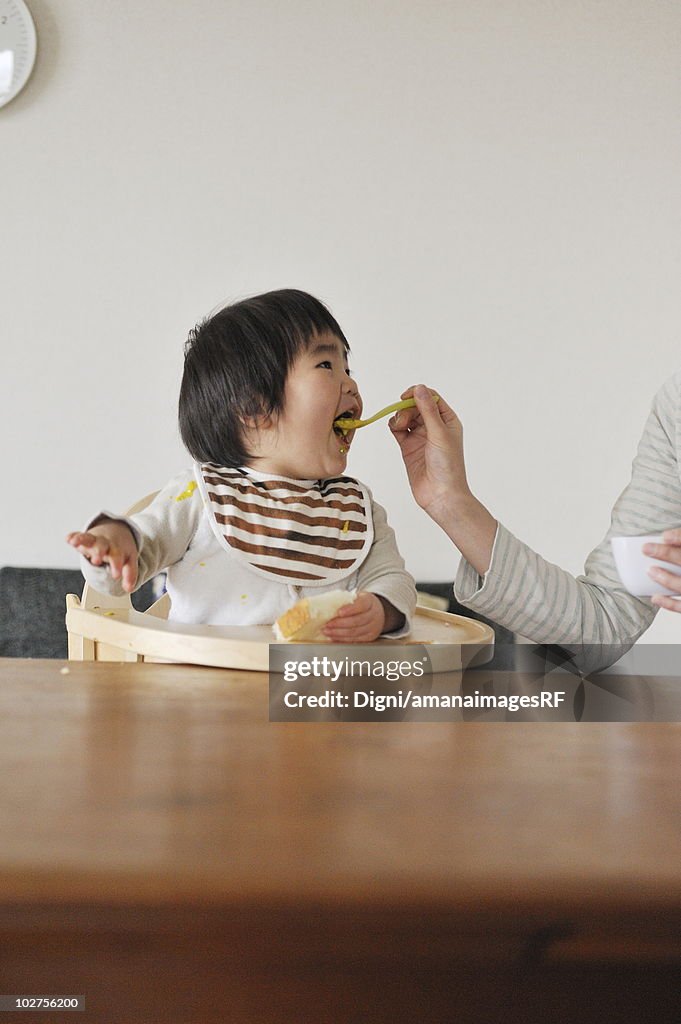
x: 105, y: 628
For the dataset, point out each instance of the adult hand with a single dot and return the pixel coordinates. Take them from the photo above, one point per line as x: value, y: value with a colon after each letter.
x: 111, y: 544
x: 430, y: 437
x: 668, y: 551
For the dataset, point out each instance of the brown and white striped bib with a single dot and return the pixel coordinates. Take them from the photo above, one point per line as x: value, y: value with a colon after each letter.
x: 304, y: 532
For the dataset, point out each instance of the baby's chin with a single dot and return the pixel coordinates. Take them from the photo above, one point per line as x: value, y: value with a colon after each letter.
x: 317, y: 469
x: 320, y: 462
x: 331, y: 465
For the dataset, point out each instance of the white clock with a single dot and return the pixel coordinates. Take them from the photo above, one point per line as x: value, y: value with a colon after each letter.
x: 18, y: 45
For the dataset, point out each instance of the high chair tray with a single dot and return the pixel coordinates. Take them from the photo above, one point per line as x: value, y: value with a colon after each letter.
x: 451, y: 642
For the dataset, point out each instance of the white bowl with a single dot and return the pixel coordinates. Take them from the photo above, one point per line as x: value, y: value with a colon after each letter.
x: 633, y: 565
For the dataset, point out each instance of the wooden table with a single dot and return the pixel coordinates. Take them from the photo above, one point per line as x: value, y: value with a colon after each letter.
x: 171, y: 855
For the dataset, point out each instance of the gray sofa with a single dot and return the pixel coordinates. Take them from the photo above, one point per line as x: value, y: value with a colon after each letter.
x: 33, y: 607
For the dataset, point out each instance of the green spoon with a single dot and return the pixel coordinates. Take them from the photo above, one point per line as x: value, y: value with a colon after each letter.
x: 407, y: 403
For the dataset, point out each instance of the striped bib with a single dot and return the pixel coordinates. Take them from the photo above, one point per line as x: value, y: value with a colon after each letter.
x: 304, y: 532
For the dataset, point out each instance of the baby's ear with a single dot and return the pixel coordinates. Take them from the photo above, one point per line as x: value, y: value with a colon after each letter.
x: 257, y: 419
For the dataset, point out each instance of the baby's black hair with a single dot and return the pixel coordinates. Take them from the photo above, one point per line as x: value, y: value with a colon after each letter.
x: 235, y: 367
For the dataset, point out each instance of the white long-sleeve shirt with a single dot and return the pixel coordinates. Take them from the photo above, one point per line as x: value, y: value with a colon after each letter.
x: 592, y: 615
x: 210, y: 583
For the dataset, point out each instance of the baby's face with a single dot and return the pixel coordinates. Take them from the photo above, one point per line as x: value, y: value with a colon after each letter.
x: 302, y: 442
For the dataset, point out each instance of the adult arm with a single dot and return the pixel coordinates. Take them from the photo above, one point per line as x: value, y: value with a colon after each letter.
x: 504, y: 579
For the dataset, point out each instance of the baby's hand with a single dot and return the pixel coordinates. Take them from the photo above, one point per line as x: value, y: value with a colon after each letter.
x: 357, y: 623
x: 111, y: 544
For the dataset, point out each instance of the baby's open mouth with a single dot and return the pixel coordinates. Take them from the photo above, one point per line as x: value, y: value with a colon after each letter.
x: 343, y: 432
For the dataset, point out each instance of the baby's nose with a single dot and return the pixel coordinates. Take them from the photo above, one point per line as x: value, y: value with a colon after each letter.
x: 352, y: 393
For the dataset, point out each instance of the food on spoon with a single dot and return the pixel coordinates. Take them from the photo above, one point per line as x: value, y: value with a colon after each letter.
x: 345, y: 417
x: 304, y: 621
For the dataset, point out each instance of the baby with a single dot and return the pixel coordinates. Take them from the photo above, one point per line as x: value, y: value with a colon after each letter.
x: 267, y: 516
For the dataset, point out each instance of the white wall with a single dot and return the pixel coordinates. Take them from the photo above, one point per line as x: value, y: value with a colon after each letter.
x: 487, y: 195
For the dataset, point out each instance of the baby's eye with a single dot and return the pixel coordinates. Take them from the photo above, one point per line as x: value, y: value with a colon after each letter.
x: 325, y: 365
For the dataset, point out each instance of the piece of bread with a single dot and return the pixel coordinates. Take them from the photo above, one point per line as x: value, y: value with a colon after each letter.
x: 303, y: 623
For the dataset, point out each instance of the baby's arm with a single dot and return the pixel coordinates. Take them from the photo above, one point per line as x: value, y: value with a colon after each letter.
x: 160, y: 535
x: 387, y: 594
x: 111, y: 543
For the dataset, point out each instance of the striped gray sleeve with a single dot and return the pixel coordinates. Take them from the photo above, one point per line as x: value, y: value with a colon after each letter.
x: 546, y: 604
